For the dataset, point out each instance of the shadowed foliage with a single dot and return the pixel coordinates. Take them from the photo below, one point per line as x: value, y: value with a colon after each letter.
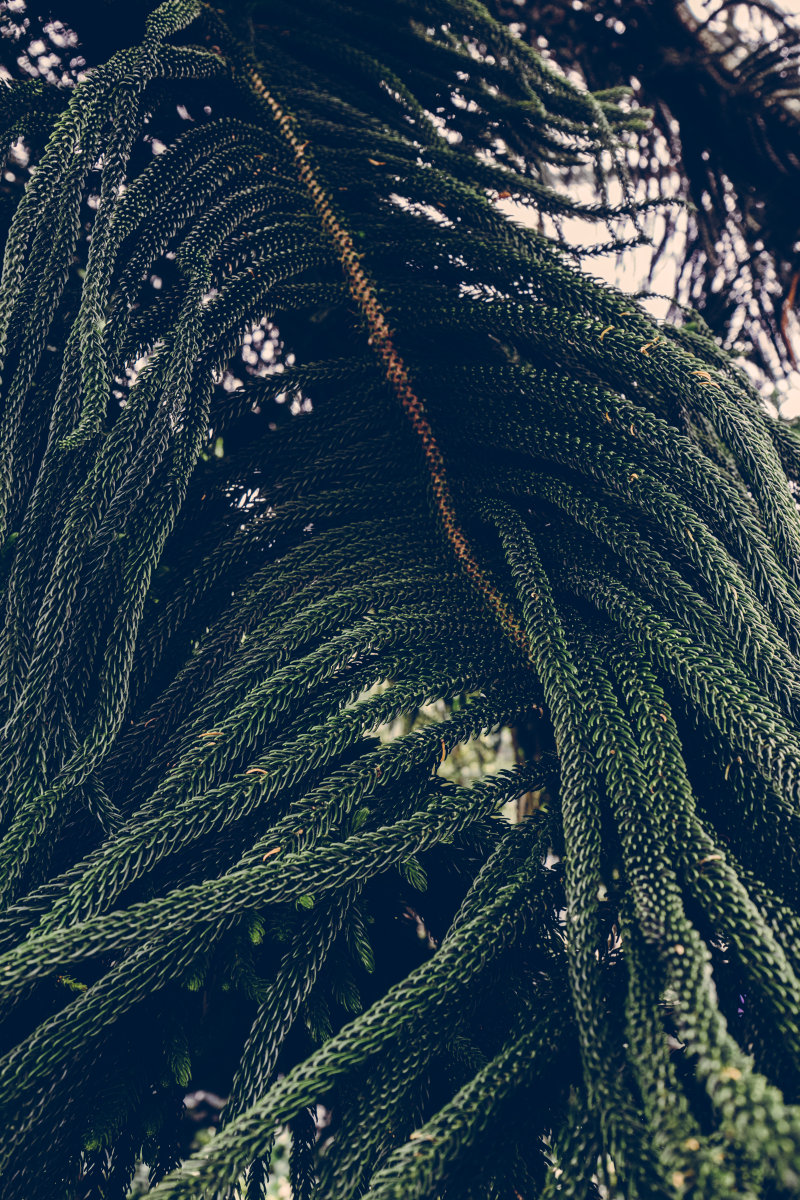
x: 723, y: 84
x: 300, y: 432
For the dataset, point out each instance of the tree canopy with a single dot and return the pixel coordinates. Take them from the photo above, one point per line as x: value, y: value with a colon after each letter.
x: 302, y: 429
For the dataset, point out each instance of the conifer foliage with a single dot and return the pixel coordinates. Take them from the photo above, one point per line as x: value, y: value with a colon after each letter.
x: 504, y: 487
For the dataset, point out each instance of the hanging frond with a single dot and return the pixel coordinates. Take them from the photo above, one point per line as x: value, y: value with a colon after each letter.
x: 464, y: 471
x: 723, y: 81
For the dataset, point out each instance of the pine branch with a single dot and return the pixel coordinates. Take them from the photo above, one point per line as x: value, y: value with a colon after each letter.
x: 498, y: 485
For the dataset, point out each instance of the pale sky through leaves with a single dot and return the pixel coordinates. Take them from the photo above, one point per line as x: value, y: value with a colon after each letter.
x: 630, y: 269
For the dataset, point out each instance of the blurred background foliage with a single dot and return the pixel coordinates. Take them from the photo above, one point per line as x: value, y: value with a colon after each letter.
x: 721, y: 79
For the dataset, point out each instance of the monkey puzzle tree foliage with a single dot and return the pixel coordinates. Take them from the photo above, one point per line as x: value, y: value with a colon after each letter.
x: 723, y: 81
x: 504, y: 487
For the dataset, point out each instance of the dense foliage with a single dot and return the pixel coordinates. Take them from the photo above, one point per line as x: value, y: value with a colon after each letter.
x: 300, y: 432
x: 723, y: 82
